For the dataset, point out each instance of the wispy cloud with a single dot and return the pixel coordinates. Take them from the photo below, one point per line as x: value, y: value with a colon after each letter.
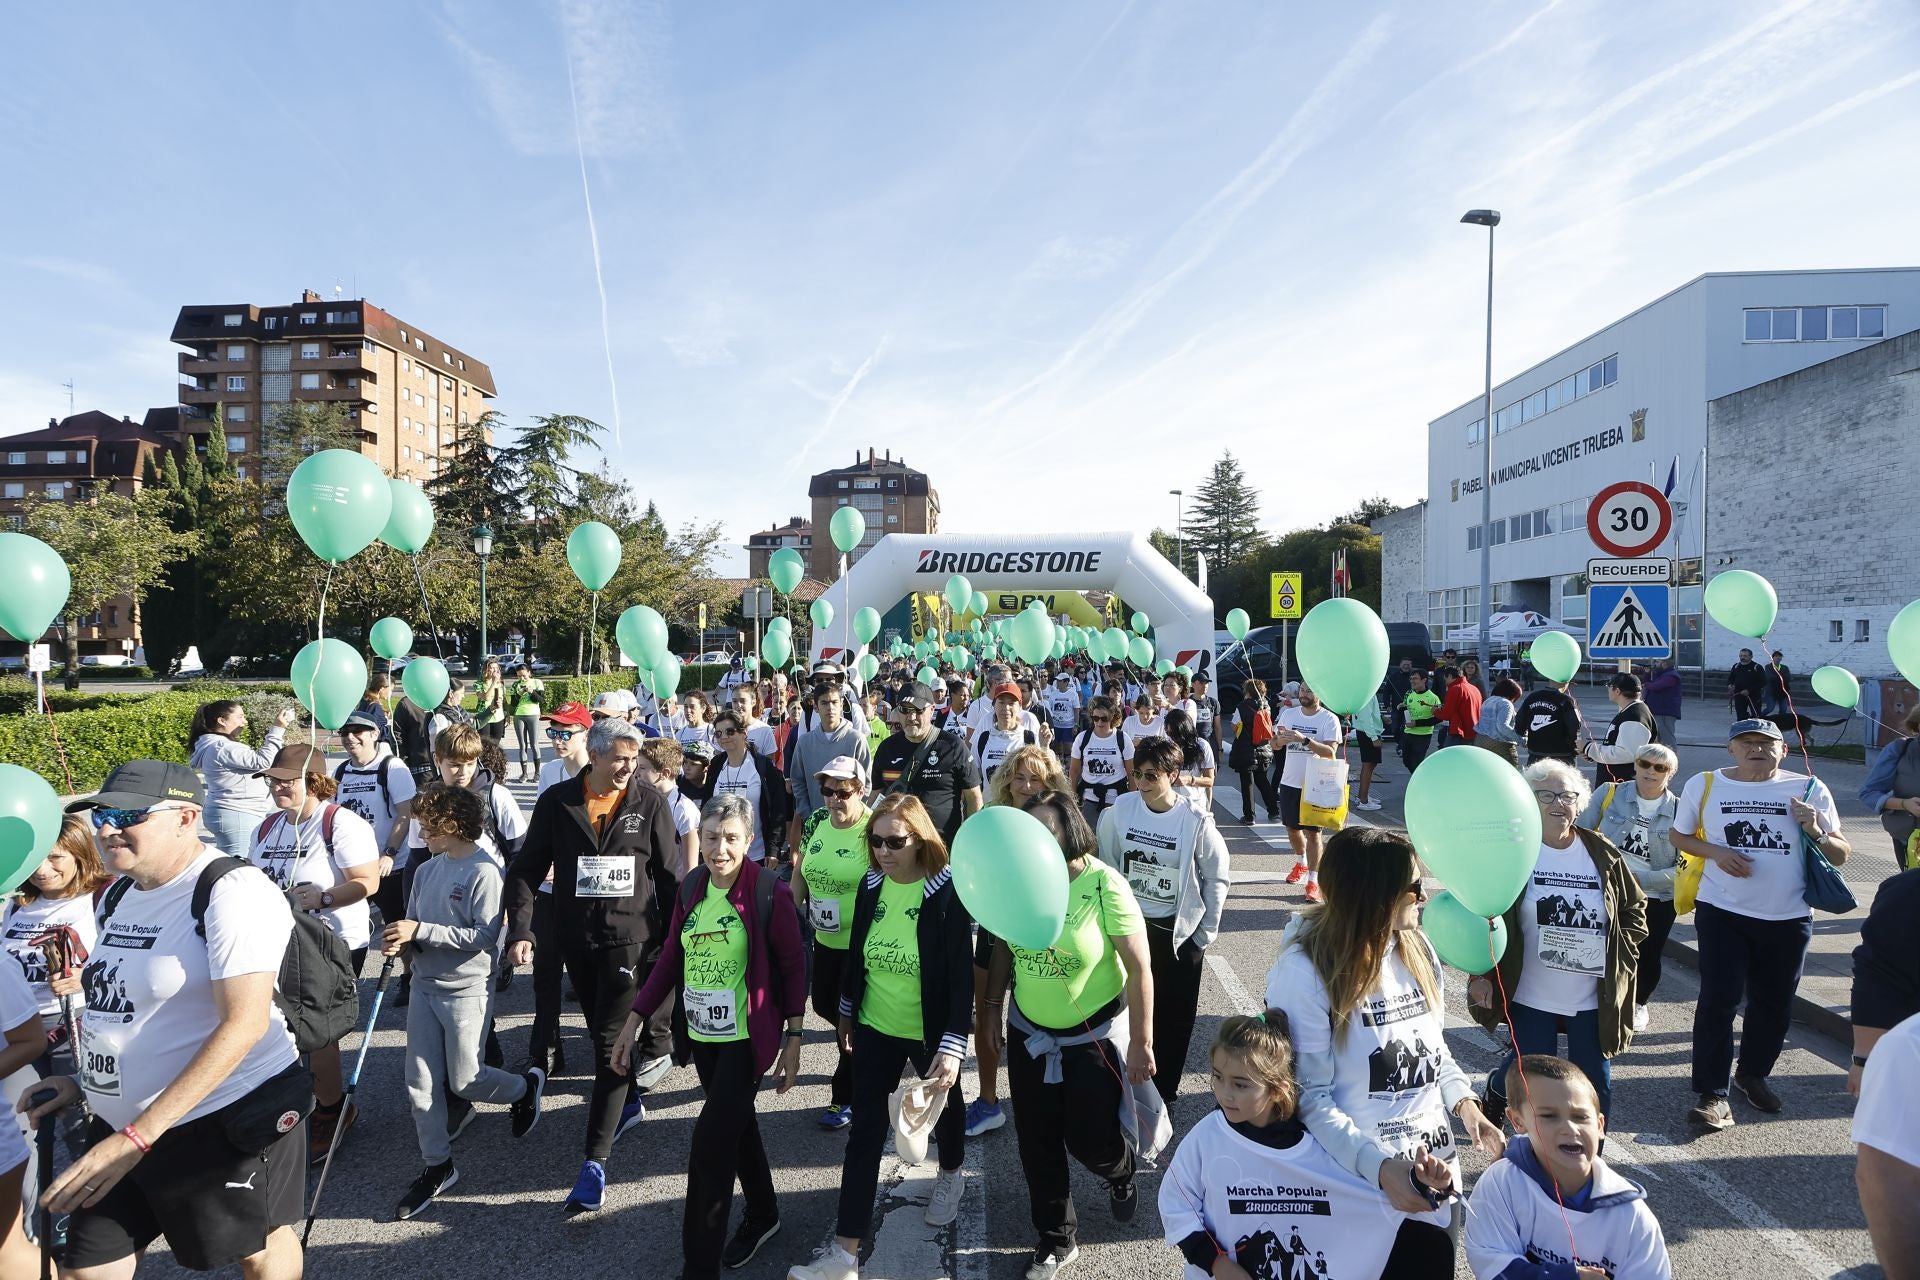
x: 1079, y: 257
x: 834, y: 406
x: 699, y: 350
x: 87, y: 273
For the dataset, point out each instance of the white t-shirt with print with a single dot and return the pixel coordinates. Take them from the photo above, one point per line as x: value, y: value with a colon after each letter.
x: 1321, y: 726
x: 27, y: 921
x: 1153, y: 851
x: 1103, y: 762
x: 294, y: 852
x: 149, y: 989
x: 360, y: 792
x: 1563, y: 925
x: 994, y: 746
x: 1063, y: 707
x: 1755, y: 818
x: 1134, y: 727
x: 743, y: 781
x: 1186, y: 705
x: 1885, y: 1118
x: 17, y: 1006
x: 1198, y: 794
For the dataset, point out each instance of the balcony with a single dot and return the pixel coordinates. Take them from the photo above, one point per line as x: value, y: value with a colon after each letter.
x: 346, y: 362
x: 341, y: 389
x: 203, y: 366
x: 190, y: 394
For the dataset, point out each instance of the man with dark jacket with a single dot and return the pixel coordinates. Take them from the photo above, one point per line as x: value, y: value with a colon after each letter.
x: 1549, y: 719
x: 1632, y: 729
x: 609, y: 842
x: 1664, y: 695
x: 1745, y: 682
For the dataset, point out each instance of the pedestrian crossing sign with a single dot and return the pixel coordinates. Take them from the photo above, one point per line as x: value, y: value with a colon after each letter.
x: 1630, y: 620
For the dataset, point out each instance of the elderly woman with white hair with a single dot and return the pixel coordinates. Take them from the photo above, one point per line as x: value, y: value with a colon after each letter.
x: 1636, y: 818
x: 1573, y: 944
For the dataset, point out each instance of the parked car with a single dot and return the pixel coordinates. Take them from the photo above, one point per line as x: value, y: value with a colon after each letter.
x: 1261, y: 657
x: 540, y: 666
x: 715, y: 657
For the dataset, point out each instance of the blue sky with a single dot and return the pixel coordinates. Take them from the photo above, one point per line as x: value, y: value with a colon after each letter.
x: 1058, y: 255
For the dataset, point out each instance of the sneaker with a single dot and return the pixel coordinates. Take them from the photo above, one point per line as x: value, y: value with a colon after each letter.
x: 1757, y: 1091
x: 404, y: 995
x: 984, y: 1117
x: 944, y: 1206
x: 630, y: 1116
x: 1713, y: 1112
x: 1125, y: 1198
x: 425, y: 1188
x: 651, y: 1072
x: 1298, y: 873
x: 589, y: 1189
x: 830, y: 1263
x: 505, y: 979
x: 460, y: 1114
x: 1313, y: 891
x: 1046, y: 1263
x: 526, y: 1109
x: 747, y: 1241
x: 835, y: 1118
x: 323, y: 1124
x: 1246, y: 819
x: 1640, y: 1018
x: 1370, y: 806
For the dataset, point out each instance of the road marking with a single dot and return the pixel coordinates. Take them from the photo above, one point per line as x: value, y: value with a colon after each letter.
x: 1237, y: 994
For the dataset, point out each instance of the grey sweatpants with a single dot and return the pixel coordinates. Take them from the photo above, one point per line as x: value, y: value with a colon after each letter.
x: 444, y: 1037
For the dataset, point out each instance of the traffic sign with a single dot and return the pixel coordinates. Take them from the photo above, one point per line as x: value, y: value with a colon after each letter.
x: 39, y: 657
x: 1286, y: 596
x: 1629, y: 519
x: 1630, y: 620
x: 1659, y: 569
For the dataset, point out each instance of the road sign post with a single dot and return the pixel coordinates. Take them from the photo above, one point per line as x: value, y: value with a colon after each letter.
x: 1629, y: 519
x: 1285, y: 607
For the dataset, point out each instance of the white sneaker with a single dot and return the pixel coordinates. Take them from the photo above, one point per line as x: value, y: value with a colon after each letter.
x: 1640, y: 1018
x: 1368, y: 805
x: 944, y: 1207
x: 830, y: 1263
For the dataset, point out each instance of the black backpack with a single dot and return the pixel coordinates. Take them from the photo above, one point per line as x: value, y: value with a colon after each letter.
x: 317, y: 989
x: 694, y: 888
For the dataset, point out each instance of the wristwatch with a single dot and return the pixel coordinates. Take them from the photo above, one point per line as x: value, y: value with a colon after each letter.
x: 326, y: 898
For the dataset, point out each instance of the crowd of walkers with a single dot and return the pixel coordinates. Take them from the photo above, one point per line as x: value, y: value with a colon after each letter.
x: 704, y: 871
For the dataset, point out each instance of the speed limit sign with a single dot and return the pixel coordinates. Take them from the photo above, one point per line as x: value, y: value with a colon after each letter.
x: 1629, y: 519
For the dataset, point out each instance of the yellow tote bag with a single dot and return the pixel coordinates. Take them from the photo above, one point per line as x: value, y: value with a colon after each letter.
x: 1323, y: 798
x: 1686, y: 881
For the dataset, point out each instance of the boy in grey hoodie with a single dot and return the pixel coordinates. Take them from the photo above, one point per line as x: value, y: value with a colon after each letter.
x: 452, y: 930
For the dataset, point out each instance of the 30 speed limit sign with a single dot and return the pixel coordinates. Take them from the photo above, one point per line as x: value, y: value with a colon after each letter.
x: 1629, y: 519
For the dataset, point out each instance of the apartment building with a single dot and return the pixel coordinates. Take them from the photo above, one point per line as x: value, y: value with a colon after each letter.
x: 890, y: 495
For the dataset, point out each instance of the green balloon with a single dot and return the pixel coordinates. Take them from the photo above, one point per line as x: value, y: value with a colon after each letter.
x: 1163, y: 667
x: 786, y: 568
x: 776, y: 648
x: 425, y: 681
x: 1032, y: 636
x: 1838, y: 686
x: 1476, y: 825
x: 749, y: 663
x: 959, y: 594
x: 926, y: 675
x: 979, y: 604
x: 1140, y: 651
x: 1470, y: 943
x: 593, y: 552
x: 1238, y: 623
x: 642, y: 634
x: 1140, y: 624
x: 1743, y: 602
x: 34, y: 585
x: 30, y: 818
x: 1116, y: 643
x: 329, y: 679
x: 821, y: 612
x: 666, y: 676
x: 1903, y: 642
x: 848, y: 526
x: 1008, y: 872
x: 339, y: 502
x: 1555, y: 655
x: 410, y: 520
x: 866, y: 624
x: 390, y: 638
x: 783, y: 624
x: 1343, y: 653
x: 867, y: 665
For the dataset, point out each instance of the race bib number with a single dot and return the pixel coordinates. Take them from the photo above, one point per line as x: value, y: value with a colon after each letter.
x: 99, y: 1064
x: 603, y: 876
x: 711, y: 1013
x: 824, y: 914
x: 1150, y: 881
x: 1430, y: 1129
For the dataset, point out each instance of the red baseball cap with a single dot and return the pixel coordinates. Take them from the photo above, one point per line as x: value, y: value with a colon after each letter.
x: 570, y: 713
x: 1007, y: 690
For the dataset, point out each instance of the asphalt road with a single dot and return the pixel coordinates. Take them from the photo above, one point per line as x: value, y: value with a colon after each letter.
x: 1772, y: 1197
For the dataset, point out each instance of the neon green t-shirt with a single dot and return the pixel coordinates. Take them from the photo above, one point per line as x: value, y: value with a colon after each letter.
x: 833, y: 862
x: 1070, y: 981
x: 525, y: 697
x: 891, y: 1004
x: 878, y: 731
x: 714, y: 989
x: 1421, y: 706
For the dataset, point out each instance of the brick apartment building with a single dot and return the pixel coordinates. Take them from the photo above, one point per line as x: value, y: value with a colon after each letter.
x: 796, y: 533
x: 893, y: 497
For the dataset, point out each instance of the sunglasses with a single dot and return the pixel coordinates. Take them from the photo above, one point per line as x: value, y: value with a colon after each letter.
x: 1101, y: 719
x: 122, y: 818
x: 719, y: 732
x: 893, y: 843
x: 1419, y: 890
x: 913, y: 708
x: 839, y: 793
x: 562, y: 735
x: 1653, y: 765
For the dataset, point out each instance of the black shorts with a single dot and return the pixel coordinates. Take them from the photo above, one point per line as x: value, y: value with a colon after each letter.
x: 1290, y: 809
x: 982, y: 948
x: 1369, y: 749
x: 215, y: 1204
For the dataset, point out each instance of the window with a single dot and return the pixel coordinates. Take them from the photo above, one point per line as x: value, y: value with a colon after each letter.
x: 893, y: 499
x: 1813, y: 324
x: 271, y: 322
x: 309, y: 351
x: 309, y: 382
x: 236, y: 352
x: 236, y: 444
x: 79, y: 455
x: 241, y: 472
x: 1575, y: 386
x: 56, y: 457
x: 1862, y: 631
x: 343, y: 317
x: 420, y: 344
x: 403, y: 338
x: 17, y: 459
x: 893, y: 519
x: 231, y: 320
x: 309, y: 317
x: 841, y: 502
x: 843, y: 484
x: 1836, y: 632
x: 445, y: 358
x: 236, y: 382
x: 236, y: 413
x: 55, y: 489
x: 406, y: 451
x: 1686, y: 573
x: 866, y: 484
x: 366, y: 345
x: 16, y: 490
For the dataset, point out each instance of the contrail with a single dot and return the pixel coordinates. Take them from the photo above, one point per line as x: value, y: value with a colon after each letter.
x: 593, y: 238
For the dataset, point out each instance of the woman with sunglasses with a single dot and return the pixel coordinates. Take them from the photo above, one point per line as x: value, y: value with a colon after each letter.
x: 741, y: 770
x: 566, y: 733
x: 1361, y: 987
x: 830, y: 862
x: 1636, y: 819
x: 1573, y: 944
x: 905, y: 998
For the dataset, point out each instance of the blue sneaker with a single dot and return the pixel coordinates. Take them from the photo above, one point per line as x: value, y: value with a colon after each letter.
x: 983, y: 1117
x: 630, y: 1116
x: 589, y: 1189
x: 835, y: 1118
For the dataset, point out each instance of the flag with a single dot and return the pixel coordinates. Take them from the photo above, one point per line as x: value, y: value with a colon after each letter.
x: 1342, y: 581
x: 1673, y: 475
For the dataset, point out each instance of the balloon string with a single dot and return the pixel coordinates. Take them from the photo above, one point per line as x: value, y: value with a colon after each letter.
x: 60, y: 750
x: 313, y: 724
x: 427, y: 607
x: 1526, y: 1087
x: 593, y: 642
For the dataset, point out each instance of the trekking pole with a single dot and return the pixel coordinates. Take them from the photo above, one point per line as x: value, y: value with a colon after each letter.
x: 63, y: 950
x: 43, y: 1145
x: 353, y: 1084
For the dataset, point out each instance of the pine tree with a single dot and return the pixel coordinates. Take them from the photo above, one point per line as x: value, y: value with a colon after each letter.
x: 1223, y: 523
x: 541, y: 458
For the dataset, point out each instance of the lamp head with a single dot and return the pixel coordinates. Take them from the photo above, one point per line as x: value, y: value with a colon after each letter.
x: 1482, y: 217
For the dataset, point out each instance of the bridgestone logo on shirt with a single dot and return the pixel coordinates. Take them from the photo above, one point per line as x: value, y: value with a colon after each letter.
x: 1291, y: 1200
x: 932, y: 561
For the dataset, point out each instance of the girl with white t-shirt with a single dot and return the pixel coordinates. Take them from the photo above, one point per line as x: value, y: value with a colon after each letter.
x: 59, y: 893
x: 1363, y: 992
x: 1304, y: 729
x: 1145, y: 722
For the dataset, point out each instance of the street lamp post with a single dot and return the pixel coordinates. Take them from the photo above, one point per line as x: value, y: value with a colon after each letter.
x: 1180, y: 528
x: 482, y: 547
x: 1488, y: 218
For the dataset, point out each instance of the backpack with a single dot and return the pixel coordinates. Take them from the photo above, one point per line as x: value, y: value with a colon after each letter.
x: 694, y: 888
x: 1262, y: 731
x: 1103, y: 788
x: 386, y: 792
x: 317, y: 988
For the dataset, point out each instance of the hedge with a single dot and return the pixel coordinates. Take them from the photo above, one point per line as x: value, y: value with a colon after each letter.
x: 152, y: 726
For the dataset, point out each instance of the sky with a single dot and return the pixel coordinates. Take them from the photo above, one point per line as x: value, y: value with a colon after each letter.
x: 1059, y: 256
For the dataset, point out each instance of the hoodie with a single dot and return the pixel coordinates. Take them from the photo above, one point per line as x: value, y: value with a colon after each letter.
x: 1515, y: 1232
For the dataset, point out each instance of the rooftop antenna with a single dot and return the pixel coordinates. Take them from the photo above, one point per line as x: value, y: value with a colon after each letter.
x: 68, y: 384
x: 336, y: 289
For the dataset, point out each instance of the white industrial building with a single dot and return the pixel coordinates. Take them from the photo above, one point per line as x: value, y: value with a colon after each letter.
x: 1632, y: 402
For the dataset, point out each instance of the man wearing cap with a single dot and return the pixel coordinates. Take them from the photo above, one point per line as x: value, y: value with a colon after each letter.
x: 829, y: 681
x: 1206, y: 713
x: 920, y: 761
x: 832, y: 736
x: 1752, y: 923
x: 566, y: 730
x: 178, y: 1028
x: 1062, y: 702
x: 735, y: 677
x: 374, y: 784
x: 619, y: 704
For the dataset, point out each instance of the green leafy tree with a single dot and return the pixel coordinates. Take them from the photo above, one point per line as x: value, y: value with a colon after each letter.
x: 1367, y: 512
x: 293, y: 432
x: 1223, y: 522
x: 1308, y: 552
x: 479, y: 481
x: 181, y: 610
x: 542, y: 457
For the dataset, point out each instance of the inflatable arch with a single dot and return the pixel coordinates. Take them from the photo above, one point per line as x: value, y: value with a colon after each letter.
x: 904, y: 563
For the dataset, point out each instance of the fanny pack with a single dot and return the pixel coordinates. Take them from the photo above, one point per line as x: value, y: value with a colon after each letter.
x: 270, y: 1112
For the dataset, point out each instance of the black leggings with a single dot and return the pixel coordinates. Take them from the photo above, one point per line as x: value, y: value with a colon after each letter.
x: 1176, y: 1000
x: 1421, y: 1251
x: 726, y: 1145
x: 1262, y: 773
x: 547, y: 971
x: 878, y: 1061
x: 1659, y: 925
x: 828, y: 964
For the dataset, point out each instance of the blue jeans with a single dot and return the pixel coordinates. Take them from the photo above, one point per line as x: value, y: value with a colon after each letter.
x: 1538, y: 1031
x: 231, y: 829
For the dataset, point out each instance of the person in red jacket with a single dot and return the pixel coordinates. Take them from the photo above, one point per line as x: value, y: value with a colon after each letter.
x: 1459, y: 706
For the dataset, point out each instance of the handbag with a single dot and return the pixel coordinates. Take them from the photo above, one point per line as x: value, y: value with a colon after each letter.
x: 1323, y: 793
x: 274, y: 1108
x: 1240, y: 754
x: 1686, y: 880
x: 1825, y: 890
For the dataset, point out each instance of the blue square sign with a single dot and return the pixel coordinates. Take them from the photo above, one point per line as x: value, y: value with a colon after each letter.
x: 1630, y: 620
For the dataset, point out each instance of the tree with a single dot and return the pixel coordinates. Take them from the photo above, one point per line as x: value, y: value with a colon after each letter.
x: 113, y: 545
x: 1168, y: 545
x: 479, y: 482
x: 181, y: 611
x: 1224, y: 521
x: 293, y: 432
x: 541, y: 459
x: 1308, y: 552
x: 1369, y: 510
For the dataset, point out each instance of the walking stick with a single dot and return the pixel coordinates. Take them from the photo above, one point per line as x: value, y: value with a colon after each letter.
x: 63, y: 950
x: 353, y: 1084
